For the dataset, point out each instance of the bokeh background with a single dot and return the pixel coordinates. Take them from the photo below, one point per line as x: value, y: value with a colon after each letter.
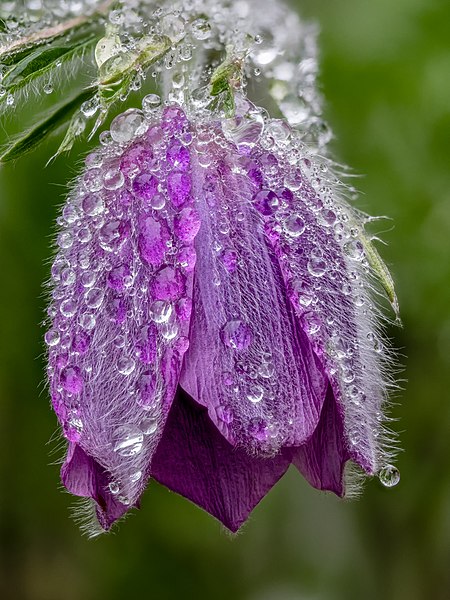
x: 386, y: 78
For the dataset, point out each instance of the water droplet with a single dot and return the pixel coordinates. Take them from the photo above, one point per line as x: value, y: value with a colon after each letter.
x: 90, y: 107
x: 68, y: 276
x: 169, y: 331
x: 84, y: 235
x: 93, y: 180
x: 114, y: 488
x: 92, y: 205
x: 158, y: 202
x: 173, y: 26
x: 65, y: 240
x: 201, y: 29
x: 255, y: 393
x: 354, y: 250
x: 88, y: 278
x: 294, y: 226
x: 87, y: 321
x: 73, y: 426
x: 149, y: 426
x: 68, y: 307
x: 348, y: 376
x: 236, y: 335
x: 150, y: 102
x: 359, y: 301
x: 113, y: 235
x: 48, y: 88
x: 128, y: 440
x: 329, y: 218
x: 354, y: 437
x: 245, y: 130
x: 160, y: 311
x: 52, y: 337
x: 311, y: 323
x: 136, y: 476
x: 128, y: 126
x: 94, y: 298
x: 71, y: 379
x: 266, y: 370
x: 317, y: 266
x: 126, y: 365
x: 113, y: 179
x: 145, y: 391
x: 70, y: 213
x: 389, y: 476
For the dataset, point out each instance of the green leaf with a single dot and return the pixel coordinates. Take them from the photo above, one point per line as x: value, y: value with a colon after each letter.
x: 117, y: 73
x: 33, y: 62
x: 24, y: 143
x: 381, y: 271
x: 224, y: 80
x: 41, y: 63
x: 226, y: 72
x: 76, y: 127
x: 148, y: 50
x: 67, y: 33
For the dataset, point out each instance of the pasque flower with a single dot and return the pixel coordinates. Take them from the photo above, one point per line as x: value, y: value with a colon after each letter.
x: 212, y: 316
x: 212, y: 321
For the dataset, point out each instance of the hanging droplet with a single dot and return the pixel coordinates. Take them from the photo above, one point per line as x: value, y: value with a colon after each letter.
x: 389, y: 476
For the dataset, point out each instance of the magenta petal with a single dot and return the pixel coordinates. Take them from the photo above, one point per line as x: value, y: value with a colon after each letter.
x: 196, y: 461
x: 83, y: 476
x: 322, y: 459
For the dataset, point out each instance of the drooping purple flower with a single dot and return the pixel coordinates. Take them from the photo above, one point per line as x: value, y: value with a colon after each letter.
x: 213, y: 321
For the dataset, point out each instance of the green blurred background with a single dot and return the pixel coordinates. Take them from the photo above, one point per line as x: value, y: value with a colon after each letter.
x: 386, y: 78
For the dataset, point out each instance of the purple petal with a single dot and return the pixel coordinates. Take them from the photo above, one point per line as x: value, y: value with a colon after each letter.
x: 316, y: 238
x: 83, y: 476
x: 322, y: 458
x: 120, y: 321
x: 196, y: 461
x: 249, y: 361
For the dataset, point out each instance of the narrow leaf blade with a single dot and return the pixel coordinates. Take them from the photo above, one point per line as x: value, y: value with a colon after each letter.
x: 32, y: 138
